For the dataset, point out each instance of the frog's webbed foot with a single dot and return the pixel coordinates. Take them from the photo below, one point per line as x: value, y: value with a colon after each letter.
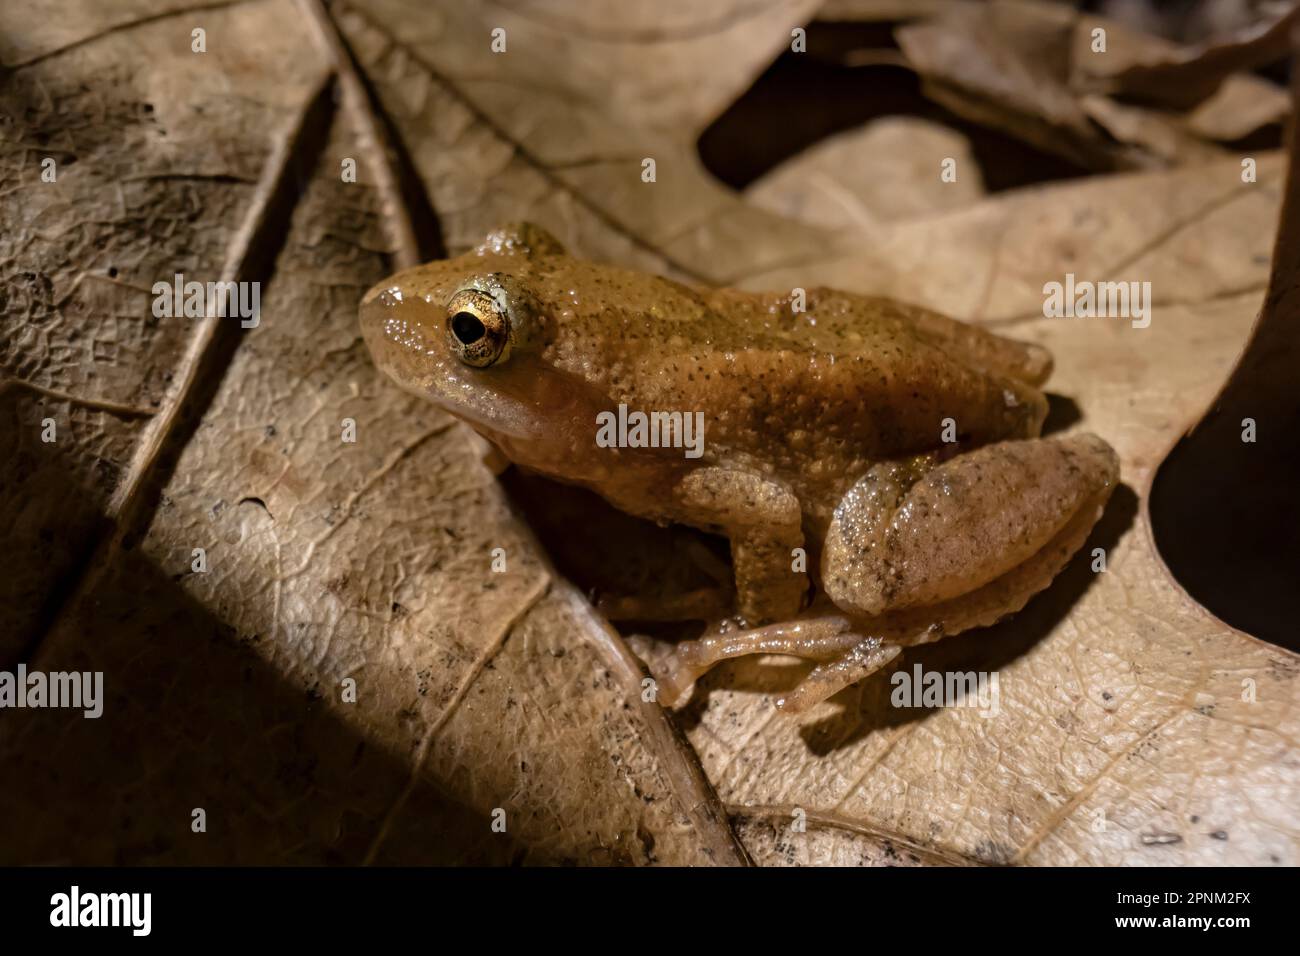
x: 828, y: 639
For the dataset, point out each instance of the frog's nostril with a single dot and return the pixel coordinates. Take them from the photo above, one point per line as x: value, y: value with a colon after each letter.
x: 467, y: 328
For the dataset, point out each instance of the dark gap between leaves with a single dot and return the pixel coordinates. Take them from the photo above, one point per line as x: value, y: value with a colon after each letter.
x: 802, y: 98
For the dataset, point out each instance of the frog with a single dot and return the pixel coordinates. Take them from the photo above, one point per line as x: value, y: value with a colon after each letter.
x: 876, y: 467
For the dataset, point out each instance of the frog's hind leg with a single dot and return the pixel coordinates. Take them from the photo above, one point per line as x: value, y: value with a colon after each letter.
x: 822, y: 638
x: 980, y: 607
x: 962, y: 524
x: 827, y: 679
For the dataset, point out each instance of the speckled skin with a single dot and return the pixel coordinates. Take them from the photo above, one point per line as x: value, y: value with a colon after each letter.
x: 820, y: 426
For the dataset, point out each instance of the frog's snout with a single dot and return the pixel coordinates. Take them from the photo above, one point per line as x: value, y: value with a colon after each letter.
x: 400, y: 341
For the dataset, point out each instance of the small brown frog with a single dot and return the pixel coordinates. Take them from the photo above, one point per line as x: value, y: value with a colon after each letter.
x: 895, y: 446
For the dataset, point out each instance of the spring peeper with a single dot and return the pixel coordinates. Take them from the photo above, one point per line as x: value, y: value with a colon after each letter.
x: 892, y: 448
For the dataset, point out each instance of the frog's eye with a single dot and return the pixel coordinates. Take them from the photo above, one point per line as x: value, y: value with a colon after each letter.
x: 477, y: 331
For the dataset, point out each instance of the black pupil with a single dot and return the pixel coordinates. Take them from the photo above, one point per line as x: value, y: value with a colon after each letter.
x: 467, y: 328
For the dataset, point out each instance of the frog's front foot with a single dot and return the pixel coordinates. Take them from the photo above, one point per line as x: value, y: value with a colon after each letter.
x: 843, y: 655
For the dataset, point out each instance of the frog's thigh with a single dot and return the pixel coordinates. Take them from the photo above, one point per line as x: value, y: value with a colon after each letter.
x: 961, y: 524
x: 762, y: 520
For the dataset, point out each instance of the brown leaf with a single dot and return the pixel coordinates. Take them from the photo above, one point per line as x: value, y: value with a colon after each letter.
x: 675, y: 63
x: 1242, y: 105
x: 1119, y: 694
x: 328, y: 560
x: 1240, y: 455
x: 1031, y: 70
x: 1121, y: 699
x: 1008, y: 66
x: 1143, y: 68
x: 882, y: 171
x: 371, y: 561
x: 486, y: 154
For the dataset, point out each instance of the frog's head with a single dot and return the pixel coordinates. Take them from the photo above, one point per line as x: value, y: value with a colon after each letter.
x: 469, y: 333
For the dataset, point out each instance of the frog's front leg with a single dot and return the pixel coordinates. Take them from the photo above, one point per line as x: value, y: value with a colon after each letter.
x: 762, y: 520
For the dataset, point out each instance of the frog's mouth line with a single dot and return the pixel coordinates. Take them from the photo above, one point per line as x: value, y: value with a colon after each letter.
x: 523, y: 399
x: 450, y: 386
x: 503, y: 416
x: 542, y: 417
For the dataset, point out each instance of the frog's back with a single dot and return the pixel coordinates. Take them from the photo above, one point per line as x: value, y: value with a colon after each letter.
x: 863, y: 377
x: 847, y: 378
x: 844, y: 323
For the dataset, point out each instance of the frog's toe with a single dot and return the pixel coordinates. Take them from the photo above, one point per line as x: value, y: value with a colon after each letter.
x: 675, y: 677
x: 828, y: 679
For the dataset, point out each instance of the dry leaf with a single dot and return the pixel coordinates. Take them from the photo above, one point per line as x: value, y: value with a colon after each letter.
x: 886, y: 170
x: 1121, y: 699
x: 1007, y: 66
x: 1198, y: 237
x: 1231, y: 458
x: 1144, y: 68
x: 371, y: 561
x: 327, y: 561
x: 888, y: 10
x: 1032, y: 70
x: 1241, y: 105
x: 1157, y: 133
